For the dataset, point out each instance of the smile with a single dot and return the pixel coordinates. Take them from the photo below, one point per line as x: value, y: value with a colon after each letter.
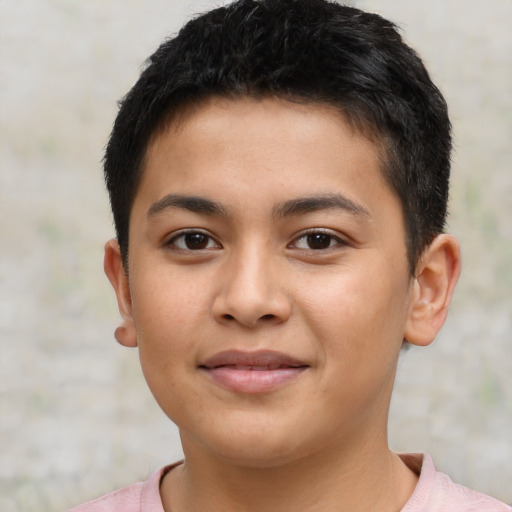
x: 252, y: 372
x: 258, y: 368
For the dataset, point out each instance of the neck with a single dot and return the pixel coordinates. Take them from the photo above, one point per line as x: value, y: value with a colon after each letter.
x: 342, y: 481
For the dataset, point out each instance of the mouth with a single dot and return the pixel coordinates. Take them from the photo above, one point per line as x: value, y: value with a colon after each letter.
x: 252, y: 372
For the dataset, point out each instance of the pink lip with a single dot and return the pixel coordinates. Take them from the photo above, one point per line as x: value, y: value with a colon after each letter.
x: 252, y: 372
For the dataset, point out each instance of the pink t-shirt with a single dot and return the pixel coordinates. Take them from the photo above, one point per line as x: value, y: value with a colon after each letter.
x: 435, y: 492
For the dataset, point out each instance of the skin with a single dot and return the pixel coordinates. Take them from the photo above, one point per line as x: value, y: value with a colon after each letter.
x: 341, y: 301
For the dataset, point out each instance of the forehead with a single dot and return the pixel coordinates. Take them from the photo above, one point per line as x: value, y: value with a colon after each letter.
x: 244, y: 145
x: 255, y: 119
x: 205, y: 112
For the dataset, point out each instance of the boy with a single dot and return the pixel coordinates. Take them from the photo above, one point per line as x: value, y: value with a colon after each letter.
x: 279, y: 178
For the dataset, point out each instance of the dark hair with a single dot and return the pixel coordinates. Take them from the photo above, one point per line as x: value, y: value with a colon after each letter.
x: 302, y: 50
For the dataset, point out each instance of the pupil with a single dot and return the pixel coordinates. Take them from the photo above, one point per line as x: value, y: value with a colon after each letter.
x: 196, y: 241
x: 319, y: 241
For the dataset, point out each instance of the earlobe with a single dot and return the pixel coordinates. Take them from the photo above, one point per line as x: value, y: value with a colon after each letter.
x: 436, y: 276
x: 125, y: 334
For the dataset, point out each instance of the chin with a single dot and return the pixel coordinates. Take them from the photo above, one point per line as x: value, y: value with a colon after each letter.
x: 258, y: 456
x: 260, y: 445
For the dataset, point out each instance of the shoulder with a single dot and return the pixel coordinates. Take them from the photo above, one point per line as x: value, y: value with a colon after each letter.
x: 138, y: 497
x: 126, y: 499
x: 436, y: 492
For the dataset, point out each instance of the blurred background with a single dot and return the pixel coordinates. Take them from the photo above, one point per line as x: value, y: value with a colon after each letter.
x: 76, y: 419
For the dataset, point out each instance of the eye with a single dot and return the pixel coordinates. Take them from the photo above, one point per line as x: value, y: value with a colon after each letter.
x: 193, y: 241
x: 317, y: 241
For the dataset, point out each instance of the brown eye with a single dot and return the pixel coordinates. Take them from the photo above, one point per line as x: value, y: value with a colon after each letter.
x: 319, y: 240
x: 193, y: 241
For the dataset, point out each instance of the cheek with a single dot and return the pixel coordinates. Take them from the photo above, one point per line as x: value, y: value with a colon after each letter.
x: 169, y: 317
x: 356, y: 310
x: 163, y: 317
x: 167, y: 302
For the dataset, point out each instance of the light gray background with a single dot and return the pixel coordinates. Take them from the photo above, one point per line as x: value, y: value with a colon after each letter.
x: 76, y: 419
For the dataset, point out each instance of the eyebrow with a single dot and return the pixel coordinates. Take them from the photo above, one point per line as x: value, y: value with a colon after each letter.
x: 191, y: 203
x: 293, y: 207
x: 309, y: 204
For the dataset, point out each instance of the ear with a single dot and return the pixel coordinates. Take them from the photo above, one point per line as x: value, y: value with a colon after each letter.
x: 125, y: 334
x: 436, y: 276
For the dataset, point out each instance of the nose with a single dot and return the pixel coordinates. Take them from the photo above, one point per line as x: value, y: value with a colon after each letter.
x: 250, y: 293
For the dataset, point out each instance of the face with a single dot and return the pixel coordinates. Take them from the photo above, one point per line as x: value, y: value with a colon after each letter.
x: 268, y: 281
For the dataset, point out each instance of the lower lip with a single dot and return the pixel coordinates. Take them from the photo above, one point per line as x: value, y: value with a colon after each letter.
x: 253, y: 381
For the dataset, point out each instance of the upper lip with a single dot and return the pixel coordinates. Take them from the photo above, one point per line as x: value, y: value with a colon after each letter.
x: 256, y: 358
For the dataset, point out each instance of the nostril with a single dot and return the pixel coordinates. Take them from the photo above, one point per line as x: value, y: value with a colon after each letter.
x: 267, y: 318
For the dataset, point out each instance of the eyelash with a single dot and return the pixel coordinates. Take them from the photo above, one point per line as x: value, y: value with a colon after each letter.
x: 331, y: 238
x: 211, y: 243
x: 182, y: 234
